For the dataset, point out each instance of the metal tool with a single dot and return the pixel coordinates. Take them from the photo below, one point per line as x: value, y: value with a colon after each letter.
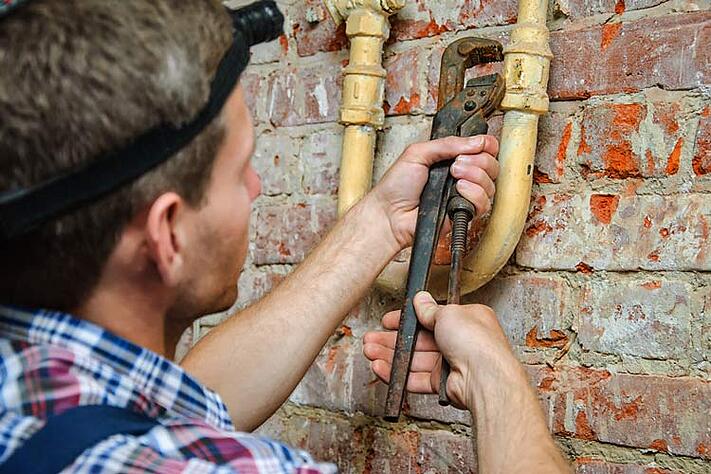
x: 462, y: 111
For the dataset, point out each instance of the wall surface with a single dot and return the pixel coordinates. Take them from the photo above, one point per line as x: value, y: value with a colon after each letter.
x: 607, y: 299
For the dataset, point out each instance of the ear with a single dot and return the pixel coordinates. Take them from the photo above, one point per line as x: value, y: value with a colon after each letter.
x: 162, y: 232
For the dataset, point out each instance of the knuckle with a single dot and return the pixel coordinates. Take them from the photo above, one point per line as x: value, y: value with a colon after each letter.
x: 413, y: 149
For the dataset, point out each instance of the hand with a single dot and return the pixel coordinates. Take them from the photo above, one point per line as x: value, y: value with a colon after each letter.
x: 475, y: 167
x: 470, y: 338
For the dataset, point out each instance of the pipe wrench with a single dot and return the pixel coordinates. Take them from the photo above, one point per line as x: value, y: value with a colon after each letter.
x: 462, y: 111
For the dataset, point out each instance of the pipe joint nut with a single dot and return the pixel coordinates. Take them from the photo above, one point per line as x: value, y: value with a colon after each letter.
x: 366, y: 22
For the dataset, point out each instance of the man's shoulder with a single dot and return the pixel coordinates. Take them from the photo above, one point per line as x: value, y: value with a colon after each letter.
x: 172, y: 445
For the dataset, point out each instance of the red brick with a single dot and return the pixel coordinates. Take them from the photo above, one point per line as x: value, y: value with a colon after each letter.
x: 667, y: 51
x: 305, y: 95
x: 597, y: 466
x: 554, y: 142
x: 632, y: 140
x: 627, y: 410
x: 402, y: 87
x: 701, y: 162
x: 285, y: 233
x: 321, y: 35
x: 642, y: 318
x: 647, y: 231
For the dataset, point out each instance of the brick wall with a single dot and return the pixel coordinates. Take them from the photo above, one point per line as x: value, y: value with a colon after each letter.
x: 607, y: 299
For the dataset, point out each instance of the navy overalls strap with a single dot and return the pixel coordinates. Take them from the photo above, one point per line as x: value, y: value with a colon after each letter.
x: 66, y: 436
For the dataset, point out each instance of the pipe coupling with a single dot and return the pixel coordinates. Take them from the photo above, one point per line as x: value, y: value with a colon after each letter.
x: 527, y: 60
x: 341, y: 9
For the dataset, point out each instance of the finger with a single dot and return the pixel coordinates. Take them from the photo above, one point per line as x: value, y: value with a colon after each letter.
x: 417, y: 382
x: 476, y: 195
x: 484, y: 161
x: 426, y: 308
x: 475, y: 175
x: 391, y: 320
x: 425, y: 340
x: 428, y: 153
x: 420, y: 382
x: 421, y: 361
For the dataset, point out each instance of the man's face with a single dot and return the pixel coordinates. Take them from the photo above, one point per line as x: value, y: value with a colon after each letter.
x: 221, y: 226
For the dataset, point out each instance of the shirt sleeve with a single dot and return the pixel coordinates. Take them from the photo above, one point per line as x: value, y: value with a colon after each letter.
x: 185, y: 448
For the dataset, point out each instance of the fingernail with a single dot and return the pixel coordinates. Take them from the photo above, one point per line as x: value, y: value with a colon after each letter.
x: 424, y: 297
x: 477, y: 141
x: 463, y: 160
x: 457, y: 168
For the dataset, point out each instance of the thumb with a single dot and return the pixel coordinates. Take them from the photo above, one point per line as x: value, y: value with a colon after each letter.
x: 426, y: 308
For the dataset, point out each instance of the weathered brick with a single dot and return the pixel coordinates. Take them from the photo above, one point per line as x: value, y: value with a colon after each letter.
x: 648, y: 232
x: 327, y: 383
x: 427, y: 407
x: 314, y: 29
x: 643, y: 318
x: 423, y: 18
x: 420, y: 451
x: 633, y: 139
x: 320, y: 158
x: 340, y: 370
x: 255, y: 282
x: 331, y: 439
x: 285, y: 233
x: 253, y: 83
x: 306, y: 94
x: 583, y: 8
x: 554, y: 140
x: 531, y: 309
x: 402, y: 86
x: 666, y: 51
x: 701, y: 163
x: 597, y: 466
x: 653, y: 412
x: 398, y: 134
x: 275, y: 159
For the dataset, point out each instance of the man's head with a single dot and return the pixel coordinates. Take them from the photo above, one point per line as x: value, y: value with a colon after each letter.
x: 81, y: 78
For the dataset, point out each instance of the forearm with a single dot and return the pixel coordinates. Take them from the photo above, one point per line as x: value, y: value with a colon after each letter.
x: 512, y: 436
x: 255, y: 359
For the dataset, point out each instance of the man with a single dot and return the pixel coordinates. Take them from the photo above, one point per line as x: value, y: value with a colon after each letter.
x: 97, y: 295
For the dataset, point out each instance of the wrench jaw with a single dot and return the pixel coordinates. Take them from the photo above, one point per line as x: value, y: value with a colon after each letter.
x: 459, y: 56
x: 462, y: 112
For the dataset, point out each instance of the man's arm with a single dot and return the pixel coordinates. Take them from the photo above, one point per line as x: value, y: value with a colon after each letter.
x: 255, y: 359
x: 485, y: 378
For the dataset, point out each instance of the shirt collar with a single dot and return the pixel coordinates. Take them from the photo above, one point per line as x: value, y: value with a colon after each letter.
x: 156, y: 377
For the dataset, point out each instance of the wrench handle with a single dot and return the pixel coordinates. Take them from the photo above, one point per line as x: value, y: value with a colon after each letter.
x: 460, y: 225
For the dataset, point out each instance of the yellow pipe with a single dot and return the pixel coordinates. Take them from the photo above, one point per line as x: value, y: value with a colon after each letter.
x: 362, y: 112
x: 526, y: 69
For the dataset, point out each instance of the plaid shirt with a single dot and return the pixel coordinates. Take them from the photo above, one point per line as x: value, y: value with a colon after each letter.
x: 51, y: 362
